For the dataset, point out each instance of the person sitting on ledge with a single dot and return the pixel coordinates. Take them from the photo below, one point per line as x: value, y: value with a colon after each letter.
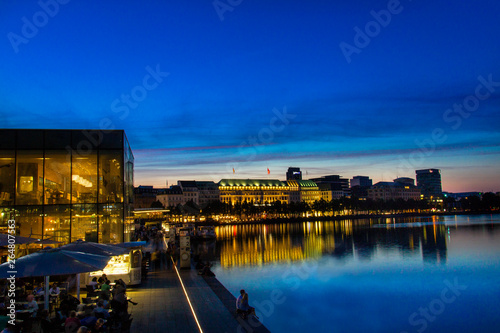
x: 206, y: 270
x: 242, y: 306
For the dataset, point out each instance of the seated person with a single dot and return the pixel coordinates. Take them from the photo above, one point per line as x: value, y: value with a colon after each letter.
x: 72, y: 322
x: 3, y: 318
x: 104, y: 298
x: 68, y: 303
x: 100, y: 326
x: 242, y: 306
x: 105, y: 287
x: 9, y: 328
x: 88, y: 321
x: 206, y: 270
x: 94, y: 283
x: 101, y: 310
x: 83, y: 329
x: 39, y: 290
x: 54, y: 291
x: 32, y: 305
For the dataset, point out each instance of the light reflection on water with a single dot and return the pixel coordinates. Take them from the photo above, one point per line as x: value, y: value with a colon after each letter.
x: 366, y: 275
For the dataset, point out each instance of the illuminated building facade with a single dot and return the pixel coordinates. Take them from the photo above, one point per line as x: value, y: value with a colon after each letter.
x: 66, y: 185
x: 256, y: 191
x: 304, y: 190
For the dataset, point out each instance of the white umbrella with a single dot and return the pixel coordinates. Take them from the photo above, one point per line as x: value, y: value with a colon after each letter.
x: 49, y: 262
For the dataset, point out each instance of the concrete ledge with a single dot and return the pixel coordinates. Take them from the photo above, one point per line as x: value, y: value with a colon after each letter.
x: 251, y: 324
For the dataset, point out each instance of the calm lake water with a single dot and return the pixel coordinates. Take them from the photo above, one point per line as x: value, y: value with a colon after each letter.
x: 428, y: 274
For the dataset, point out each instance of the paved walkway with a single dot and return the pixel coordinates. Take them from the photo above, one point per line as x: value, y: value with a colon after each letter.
x: 163, y: 307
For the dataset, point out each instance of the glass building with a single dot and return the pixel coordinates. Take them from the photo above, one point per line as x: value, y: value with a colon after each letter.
x: 66, y: 185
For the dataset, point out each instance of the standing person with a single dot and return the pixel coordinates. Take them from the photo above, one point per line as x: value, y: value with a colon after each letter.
x: 93, y: 283
x: 102, y: 279
x: 169, y: 256
x: 54, y: 291
x: 154, y: 260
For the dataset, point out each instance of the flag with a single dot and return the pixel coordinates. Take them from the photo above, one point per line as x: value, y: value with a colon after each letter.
x: 268, y: 172
x: 233, y: 170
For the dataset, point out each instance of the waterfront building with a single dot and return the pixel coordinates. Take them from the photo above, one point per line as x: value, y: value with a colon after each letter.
x: 339, y: 186
x: 359, y: 186
x: 171, y: 197
x: 208, y: 192
x: 66, y: 185
x: 429, y: 181
x: 144, y: 196
x: 462, y: 195
x: 393, y: 191
x: 331, y: 191
x: 256, y: 191
x: 303, y: 190
x: 293, y: 174
x: 190, y: 191
x: 199, y: 192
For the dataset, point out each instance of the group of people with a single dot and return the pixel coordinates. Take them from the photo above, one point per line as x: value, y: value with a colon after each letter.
x: 39, y: 290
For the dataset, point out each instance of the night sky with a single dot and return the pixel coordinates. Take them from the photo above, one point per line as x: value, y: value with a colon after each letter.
x: 376, y: 88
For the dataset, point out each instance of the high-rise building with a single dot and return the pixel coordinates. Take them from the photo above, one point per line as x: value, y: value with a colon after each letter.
x: 429, y: 181
x: 294, y: 174
x: 66, y: 185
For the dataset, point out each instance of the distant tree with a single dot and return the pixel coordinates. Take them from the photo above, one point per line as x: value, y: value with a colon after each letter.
x: 490, y: 201
x: 472, y: 203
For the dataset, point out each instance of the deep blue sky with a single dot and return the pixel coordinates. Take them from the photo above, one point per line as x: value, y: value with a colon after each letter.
x: 225, y: 78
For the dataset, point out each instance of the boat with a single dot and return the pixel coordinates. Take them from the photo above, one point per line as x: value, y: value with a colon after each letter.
x: 206, y: 232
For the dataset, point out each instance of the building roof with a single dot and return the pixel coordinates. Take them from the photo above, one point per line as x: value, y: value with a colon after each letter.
x: 392, y: 184
x: 251, y: 182
x: 172, y: 190
x: 186, y: 183
x: 302, y: 183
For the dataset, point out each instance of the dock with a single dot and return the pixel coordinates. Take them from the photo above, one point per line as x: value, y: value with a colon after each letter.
x: 164, y: 307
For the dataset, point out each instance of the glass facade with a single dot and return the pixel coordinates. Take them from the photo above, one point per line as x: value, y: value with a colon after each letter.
x: 66, y: 185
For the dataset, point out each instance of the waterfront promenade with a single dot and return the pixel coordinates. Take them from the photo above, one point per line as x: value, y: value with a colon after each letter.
x: 163, y: 307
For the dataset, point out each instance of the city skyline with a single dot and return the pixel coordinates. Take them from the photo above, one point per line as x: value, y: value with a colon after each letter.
x: 375, y: 88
